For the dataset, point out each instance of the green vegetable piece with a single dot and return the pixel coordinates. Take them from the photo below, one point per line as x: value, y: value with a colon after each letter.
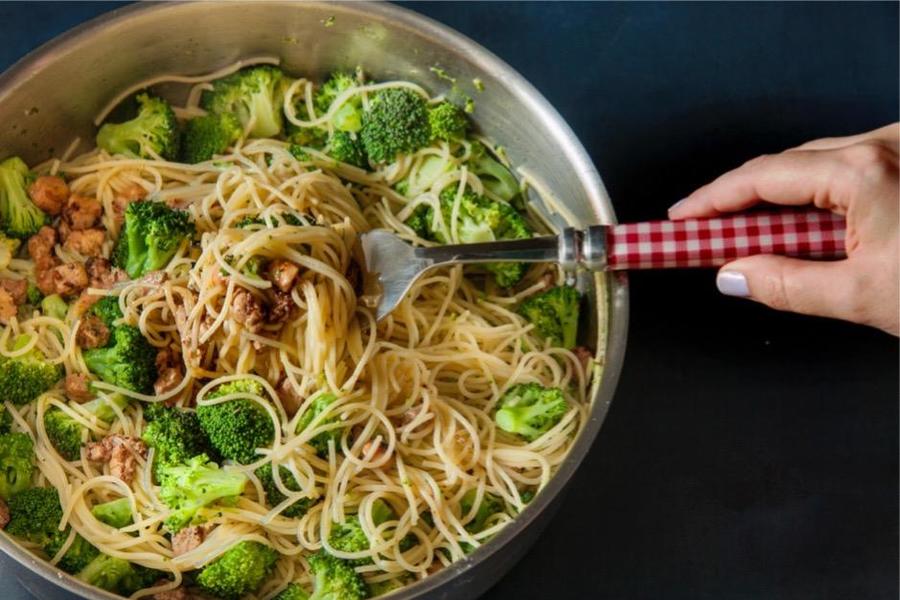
x: 115, y: 513
x: 292, y: 592
x: 24, y: 378
x: 319, y: 405
x: 448, y: 122
x: 396, y: 123
x: 19, y: 216
x: 274, y: 496
x: 117, y: 575
x: 530, y: 410
x: 187, y: 488
x: 129, y: 361
x: 175, y: 434
x: 236, y: 428
x: 347, y: 148
x: 335, y: 579
x: 152, y: 234
x: 241, y: 570
x: 209, y: 135
x: 16, y: 463
x: 153, y: 131
x: 554, y: 314
x: 254, y: 95
x: 495, y: 177
x: 54, y: 306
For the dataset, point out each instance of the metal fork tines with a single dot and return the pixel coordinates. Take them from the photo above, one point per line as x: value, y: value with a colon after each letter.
x: 392, y: 265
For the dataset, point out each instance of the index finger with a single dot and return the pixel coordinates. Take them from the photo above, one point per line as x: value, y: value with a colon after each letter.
x: 792, y: 178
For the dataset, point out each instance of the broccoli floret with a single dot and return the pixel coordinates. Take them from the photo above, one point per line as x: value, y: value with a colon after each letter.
x: 292, y: 592
x: 175, y: 435
x: 19, y: 216
x: 479, y: 220
x: 274, y: 495
x: 448, y: 122
x: 241, y: 570
x: 24, y: 378
x: 115, y: 513
x: 117, y: 575
x: 530, y: 410
x: 35, y: 514
x: 396, y: 123
x: 554, y: 314
x: 33, y: 294
x: 383, y: 588
x: 128, y: 362
x: 347, y: 148
x: 187, y: 488
x: 8, y: 247
x: 300, y: 137
x: 494, y: 176
x: 299, y: 152
x: 150, y: 237
x: 153, y: 131
x: 54, y: 306
x: 107, y: 308
x: 347, y: 117
x: 350, y: 537
x: 66, y: 434
x: 16, y: 463
x: 320, y: 441
x: 6, y: 420
x: 490, y: 505
x: 254, y: 95
x: 238, y: 427
x: 209, y: 135
x: 335, y: 579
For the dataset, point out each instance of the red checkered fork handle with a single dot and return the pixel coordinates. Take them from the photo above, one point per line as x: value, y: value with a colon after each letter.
x: 713, y: 242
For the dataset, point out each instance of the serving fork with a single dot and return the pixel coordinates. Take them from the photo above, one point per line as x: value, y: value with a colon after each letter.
x: 392, y: 265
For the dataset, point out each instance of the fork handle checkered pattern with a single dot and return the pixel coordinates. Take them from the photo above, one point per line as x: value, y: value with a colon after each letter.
x: 713, y: 242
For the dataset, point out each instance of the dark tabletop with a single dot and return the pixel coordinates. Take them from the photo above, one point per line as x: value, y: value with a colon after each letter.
x: 748, y: 454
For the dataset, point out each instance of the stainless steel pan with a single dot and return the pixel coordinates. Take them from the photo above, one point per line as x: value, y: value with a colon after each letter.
x: 54, y: 93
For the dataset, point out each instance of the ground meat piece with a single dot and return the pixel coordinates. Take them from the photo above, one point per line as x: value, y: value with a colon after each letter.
x: 82, y: 212
x: 290, y: 399
x: 282, y: 273
x: 40, y: 248
x: 77, y: 387
x: 584, y: 356
x: 87, y: 242
x: 280, y: 307
x: 4, y: 514
x: 179, y: 593
x: 84, y: 302
x: 7, y: 307
x: 49, y: 193
x: 168, y: 379
x: 248, y: 310
x: 165, y: 359
x: 69, y: 279
x: 63, y: 230
x: 44, y: 281
x: 187, y: 539
x: 17, y: 288
x: 92, y: 332
x: 102, y: 274
x: 121, y: 452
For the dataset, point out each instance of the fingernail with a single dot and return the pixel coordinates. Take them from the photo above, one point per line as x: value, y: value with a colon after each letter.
x: 732, y: 283
x: 675, y: 206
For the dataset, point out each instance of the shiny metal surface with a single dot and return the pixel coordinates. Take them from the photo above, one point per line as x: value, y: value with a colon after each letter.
x: 53, y: 94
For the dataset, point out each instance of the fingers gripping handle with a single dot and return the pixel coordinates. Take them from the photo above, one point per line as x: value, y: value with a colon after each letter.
x: 714, y: 242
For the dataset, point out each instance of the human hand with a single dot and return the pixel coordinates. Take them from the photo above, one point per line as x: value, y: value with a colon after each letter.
x: 857, y: 176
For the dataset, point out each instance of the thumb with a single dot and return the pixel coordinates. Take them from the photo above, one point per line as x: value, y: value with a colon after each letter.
x: 801, y: 286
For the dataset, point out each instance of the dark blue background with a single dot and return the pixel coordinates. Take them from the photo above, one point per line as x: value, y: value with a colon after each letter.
x: 748, y: 454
